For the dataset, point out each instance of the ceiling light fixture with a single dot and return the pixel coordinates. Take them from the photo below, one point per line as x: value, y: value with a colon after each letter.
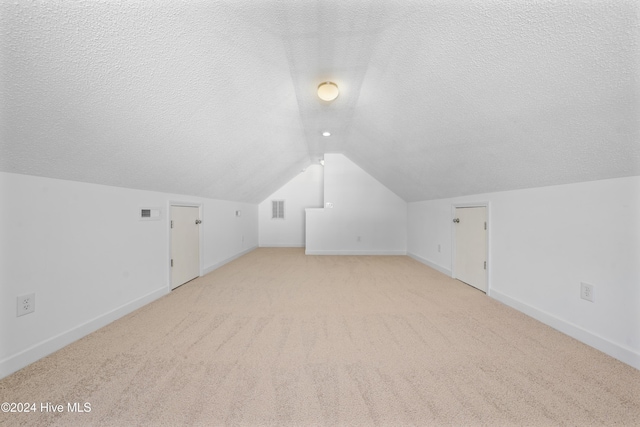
x: 326, y: 133
x: 328, y: 91
x: 322, y: 162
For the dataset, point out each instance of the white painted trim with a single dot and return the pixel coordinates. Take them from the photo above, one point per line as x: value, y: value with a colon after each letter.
x: 349, y: 252
x: 428, y: 263
x: 486, y: 205
x: 200, y: 207
x: 228, y: 260
x: 282, y: 245
x: 37, y: 351
x: 617, y: 351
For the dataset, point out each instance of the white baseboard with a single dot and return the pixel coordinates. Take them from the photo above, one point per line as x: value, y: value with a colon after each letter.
x: 349, y: 252
x: 431, y: 264
x: 614, y: 350
x: 282, y: 245
x: 37, y: 351
x: 228, y: 260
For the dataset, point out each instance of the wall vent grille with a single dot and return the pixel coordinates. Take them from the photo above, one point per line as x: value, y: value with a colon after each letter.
x: 277, y: 209
x: 149, y: 214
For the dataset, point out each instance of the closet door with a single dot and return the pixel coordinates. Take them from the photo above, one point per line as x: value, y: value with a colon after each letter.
x: 470, y: 263
x: 185, y: 244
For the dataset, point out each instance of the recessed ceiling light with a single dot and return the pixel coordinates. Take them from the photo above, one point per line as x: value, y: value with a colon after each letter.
x: 328, y: 91
x: 326, y: 133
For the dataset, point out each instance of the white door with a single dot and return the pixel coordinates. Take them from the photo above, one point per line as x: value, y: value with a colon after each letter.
x: 185, y: 244
x: 470, y: 263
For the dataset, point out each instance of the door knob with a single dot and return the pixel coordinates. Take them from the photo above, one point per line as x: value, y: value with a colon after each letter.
x: 198, y: 222
x: 456, y: 220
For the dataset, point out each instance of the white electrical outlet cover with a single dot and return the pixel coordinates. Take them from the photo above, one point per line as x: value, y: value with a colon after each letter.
x: 26, y: 304
x: 587, y: 291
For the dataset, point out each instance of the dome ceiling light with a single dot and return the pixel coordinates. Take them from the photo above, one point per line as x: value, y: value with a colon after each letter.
x: 328, y: 91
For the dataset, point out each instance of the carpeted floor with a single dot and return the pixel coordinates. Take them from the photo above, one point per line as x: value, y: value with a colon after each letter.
x: 279, y: 338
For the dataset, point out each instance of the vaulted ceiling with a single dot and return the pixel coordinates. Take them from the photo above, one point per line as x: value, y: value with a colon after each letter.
x: 217, y: 98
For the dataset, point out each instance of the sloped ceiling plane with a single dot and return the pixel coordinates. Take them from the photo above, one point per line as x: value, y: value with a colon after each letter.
x: 218, y: 98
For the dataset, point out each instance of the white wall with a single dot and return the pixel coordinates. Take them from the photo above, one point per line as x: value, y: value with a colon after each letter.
x: 366, y: 218
x: 89, y: 259
x: 543, y: 243
x: 82, y: 249
x: 303, y: 191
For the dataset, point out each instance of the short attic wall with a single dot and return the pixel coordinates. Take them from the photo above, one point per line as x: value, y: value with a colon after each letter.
x: 89, y: 258
x: 360, y: 215
x: 543, y: 243
x: 303, y: 191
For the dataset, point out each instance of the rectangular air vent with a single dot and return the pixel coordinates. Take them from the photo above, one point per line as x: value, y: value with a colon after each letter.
x: 277, y: 209
x: 149, y: 214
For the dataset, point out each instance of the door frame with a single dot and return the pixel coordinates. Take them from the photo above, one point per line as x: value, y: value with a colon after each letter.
x: 486, y: 205
x: 200, y: 236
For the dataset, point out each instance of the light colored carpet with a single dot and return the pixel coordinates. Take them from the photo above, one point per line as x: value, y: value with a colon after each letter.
x: 280, y: 338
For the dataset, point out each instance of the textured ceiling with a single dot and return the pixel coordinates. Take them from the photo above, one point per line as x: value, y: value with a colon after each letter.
x: 217, y: 99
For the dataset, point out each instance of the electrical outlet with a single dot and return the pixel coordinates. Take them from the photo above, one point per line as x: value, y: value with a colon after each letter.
x: 26, y: 304
x: 586, y: 291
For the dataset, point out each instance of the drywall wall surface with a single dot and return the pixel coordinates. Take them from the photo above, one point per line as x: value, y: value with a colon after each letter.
x: 545, y: 242
x: 229, y: 229
x: 429, y: 233
x: 89, y: 258
x: 360, y: 215
x: 303, y: 191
